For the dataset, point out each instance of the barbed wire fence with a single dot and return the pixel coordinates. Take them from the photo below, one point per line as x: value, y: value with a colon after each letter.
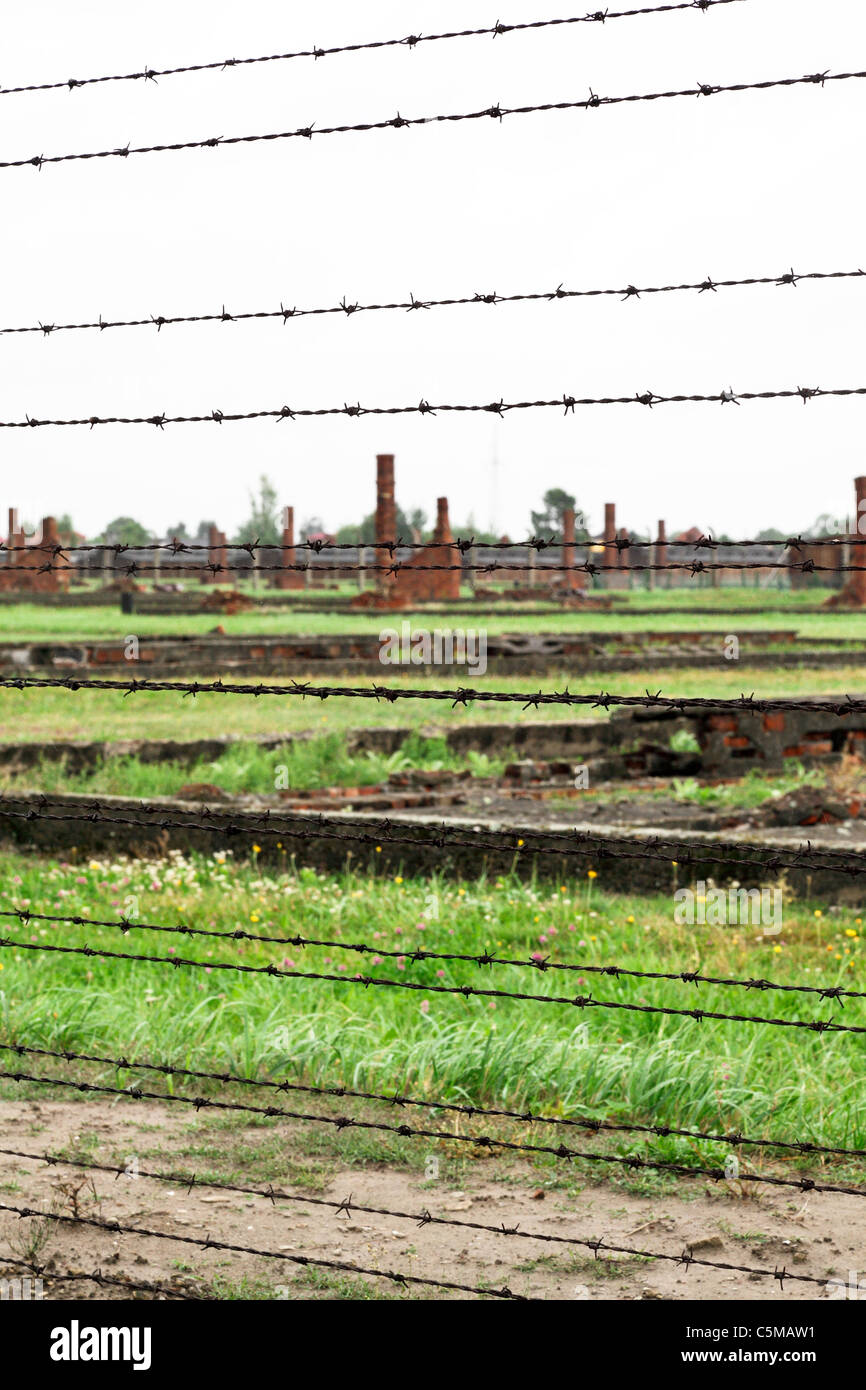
x: 308, y: 827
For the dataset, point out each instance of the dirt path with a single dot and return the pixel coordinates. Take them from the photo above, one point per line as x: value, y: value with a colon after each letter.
x: 821, y: 1234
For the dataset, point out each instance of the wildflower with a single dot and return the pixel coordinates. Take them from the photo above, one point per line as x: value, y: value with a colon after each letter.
x: 398, y: 879
x: 591, y: 873
x: 378, y: 849
x: 257, y: 849
x: 425, y: 1006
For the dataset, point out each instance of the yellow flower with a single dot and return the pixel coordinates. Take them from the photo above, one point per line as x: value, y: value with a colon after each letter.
x: 562, y: 890
x: 378, y: 849
x: 519, y: 843
x: 257, y: 849
x: 777, y: 950
x: 629, y: 919
x: 818, y: 912
x: 849, y: 931
x: 254, y: 916
x: 398, y: 879
x: 591, y: 873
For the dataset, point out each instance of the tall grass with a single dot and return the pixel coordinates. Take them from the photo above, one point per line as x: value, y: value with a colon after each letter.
x: 639, y: 1066
x: 323, y: 761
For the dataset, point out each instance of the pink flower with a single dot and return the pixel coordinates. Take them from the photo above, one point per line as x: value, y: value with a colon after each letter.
x: 425, y: 1006
x: 542, y: 937
x: 441, y: 974
x: 288, y: 964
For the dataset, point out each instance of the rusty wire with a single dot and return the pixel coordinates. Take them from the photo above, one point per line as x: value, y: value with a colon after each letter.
x: 578, y: 1001
x: 421, y: 1218
x: 692, y: 568
x: 581, y: 843
x: 118, y: 1228
x: 347, y: 308
x: 463, y: 546
x: 399, y: 122
x: 542, y: 963
x: 459, y: 696
x: 97, y: 1277
x: 410, y: 41
x: 566, y: 403
x: 734, y: 1138
x: 482, y: 1141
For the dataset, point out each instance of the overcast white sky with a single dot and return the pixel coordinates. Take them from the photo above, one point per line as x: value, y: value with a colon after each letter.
x: 731, y: 186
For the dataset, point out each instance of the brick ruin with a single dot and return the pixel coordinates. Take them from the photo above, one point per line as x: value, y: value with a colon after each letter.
x: 288, y: 579
x: 853, y: 591
x: 413, y: 582
x: 24, y: 559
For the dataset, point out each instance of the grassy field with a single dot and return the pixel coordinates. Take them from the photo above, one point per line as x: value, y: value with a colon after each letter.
x: 639, y: 1067
x: 32, y: 622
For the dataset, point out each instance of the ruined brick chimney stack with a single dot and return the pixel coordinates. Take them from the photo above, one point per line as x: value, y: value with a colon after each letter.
x: 446, y: 583
x: 571, y: 580
x: 386, y: 515
x: 286, y: 578
x: 623, y: 556
x: 662, y: 545
x: 386, y: 506
x: 857, y: 579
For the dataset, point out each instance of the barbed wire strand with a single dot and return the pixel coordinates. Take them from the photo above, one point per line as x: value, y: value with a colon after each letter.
x: 347, y: 308
x: 579, y: 1001
x: 410, y: 41
x: 462, y: 545
x: 399, y: 122
x: 97, y: 1277
x: 584, y: 844
x: 566, y: 403
x: 421, y: 1218
x: 458, y: 696
x: 414, y: 955
x: 734, y: 1139
x: 119, y: 1228
x: 482, y: 1141
x: 692, y: 568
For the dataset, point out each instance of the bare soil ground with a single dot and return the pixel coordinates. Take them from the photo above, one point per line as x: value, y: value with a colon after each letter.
x: 767, y: 1230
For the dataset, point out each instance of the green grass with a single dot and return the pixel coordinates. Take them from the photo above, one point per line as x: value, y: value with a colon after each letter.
x: 41, y: 715
x: 26, y: 622
x: 322, y: 761
x: 605, y: 1064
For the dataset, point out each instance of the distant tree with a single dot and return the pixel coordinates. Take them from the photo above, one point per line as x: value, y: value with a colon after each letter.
x: 548, y: 521
x: 263, y: 523
x: 826, y: 525
x: 313, y: 526
x: 202, y: 535
x: 125, y: 530
x: 771, y: 534
x: 178, y: 532
x: 365, y: 534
